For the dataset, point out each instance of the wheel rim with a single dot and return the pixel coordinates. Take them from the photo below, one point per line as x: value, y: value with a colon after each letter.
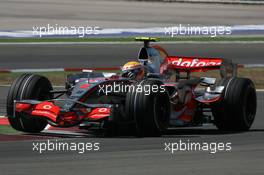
x: 160, y: 111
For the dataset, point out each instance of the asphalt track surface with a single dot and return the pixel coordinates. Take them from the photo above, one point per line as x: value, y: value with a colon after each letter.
x: 128, y: 155
x: 24, y: 14
x: 108, y: 55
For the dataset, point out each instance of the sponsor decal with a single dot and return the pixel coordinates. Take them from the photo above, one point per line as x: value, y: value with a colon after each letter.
x: 194, y: 63
x: 99, y: 113
x: 47, y: 107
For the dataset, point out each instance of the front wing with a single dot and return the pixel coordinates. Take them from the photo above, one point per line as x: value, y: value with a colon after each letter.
x: 60, y: 118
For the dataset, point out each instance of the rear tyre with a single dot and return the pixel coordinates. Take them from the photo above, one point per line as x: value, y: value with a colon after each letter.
x: 32, y: 87
x: 149, y: 109
x: 237, y: 110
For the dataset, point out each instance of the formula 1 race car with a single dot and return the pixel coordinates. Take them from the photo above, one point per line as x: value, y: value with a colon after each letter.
x: 112, y: 103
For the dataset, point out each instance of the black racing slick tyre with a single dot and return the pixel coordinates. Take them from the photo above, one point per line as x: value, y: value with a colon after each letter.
x: 27, y: 86
x: 149, y: 108
x: 237, y: 110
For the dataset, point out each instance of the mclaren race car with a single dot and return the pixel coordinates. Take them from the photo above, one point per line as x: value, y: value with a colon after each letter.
x: 169, y: 94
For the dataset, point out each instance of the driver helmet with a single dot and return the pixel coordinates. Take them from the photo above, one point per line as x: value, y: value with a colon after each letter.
x: 133, y: 70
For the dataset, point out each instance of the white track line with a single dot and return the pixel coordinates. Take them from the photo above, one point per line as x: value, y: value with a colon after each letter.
x: 260, y: 90
x: 160, y: 31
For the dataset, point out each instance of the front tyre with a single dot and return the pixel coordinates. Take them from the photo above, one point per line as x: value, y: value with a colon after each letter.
x: 237, y: 110
x: 27, y: 86
x: 148, y: 108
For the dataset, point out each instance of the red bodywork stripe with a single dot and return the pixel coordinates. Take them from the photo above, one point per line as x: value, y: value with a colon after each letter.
x: 23, y: 107
x: 46, y: 109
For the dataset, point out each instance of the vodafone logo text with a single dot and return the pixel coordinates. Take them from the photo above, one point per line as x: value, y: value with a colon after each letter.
x: 190, y: 62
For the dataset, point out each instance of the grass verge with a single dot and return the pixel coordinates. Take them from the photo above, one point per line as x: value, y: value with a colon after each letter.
x: 58, y: 78
x: 7, y: 130
x: 255, y: 74
x: 131, y: 39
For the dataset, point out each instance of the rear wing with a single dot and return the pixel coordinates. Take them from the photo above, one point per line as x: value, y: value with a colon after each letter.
x: 199, y: 64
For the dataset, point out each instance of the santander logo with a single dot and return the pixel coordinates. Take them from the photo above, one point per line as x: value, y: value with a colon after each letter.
x: 191, y: 62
